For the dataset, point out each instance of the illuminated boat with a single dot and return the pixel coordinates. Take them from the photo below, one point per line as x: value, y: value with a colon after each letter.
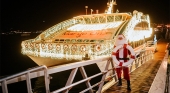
x: 87, y: 37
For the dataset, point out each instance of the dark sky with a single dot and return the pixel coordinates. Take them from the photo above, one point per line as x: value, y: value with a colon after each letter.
x: 32, y: 15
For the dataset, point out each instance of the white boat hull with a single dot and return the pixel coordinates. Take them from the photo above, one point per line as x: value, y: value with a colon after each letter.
x: 50, y: 62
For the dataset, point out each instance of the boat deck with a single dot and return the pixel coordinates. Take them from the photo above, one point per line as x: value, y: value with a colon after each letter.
x: 143, y: 77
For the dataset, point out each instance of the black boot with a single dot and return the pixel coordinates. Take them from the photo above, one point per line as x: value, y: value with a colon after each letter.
x: 128, y: 85
x: 120, y: 82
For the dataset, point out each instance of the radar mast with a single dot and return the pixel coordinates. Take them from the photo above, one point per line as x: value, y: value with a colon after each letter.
x: 110, y: 5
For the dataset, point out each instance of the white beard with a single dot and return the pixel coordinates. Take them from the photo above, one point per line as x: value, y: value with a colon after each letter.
x: 120, y: 42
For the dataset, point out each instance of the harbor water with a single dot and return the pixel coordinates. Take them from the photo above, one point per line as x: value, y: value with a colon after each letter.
x: 13, y: 61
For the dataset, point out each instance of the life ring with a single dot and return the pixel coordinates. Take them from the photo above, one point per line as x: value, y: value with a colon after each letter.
x: 26, y: 45
x: 65, y: 47
x: 43, y: 46
x: 58, y: 47
x: 31, y: 45
x: 36, y: 45
x: 98, y: 47
x: 50, y: 46
x: 131, y: 59
x: 74, y: 47
x: 83, y: 48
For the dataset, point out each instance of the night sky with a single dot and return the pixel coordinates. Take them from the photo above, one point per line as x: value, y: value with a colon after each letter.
x: 33, y: 15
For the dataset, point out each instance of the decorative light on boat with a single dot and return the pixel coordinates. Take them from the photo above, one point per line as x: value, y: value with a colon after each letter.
x: 51, y: 50
x: 87, y: 27
x: 138, y: 35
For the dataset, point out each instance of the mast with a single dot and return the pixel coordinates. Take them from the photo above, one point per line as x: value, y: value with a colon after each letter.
x: 110, y: 5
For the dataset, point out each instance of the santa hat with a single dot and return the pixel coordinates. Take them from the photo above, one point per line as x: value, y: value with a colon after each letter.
x: 120, y: 40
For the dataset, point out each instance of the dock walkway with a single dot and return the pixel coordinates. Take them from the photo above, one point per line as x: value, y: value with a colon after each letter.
x: 142, y: 77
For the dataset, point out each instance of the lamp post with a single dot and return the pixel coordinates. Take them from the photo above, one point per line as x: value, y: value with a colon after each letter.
x: 86, y: 9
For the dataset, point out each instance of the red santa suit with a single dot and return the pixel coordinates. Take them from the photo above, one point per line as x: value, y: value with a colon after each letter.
x: 122, y: 56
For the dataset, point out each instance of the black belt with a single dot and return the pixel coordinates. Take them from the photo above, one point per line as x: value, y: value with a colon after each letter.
x: 123, y: 58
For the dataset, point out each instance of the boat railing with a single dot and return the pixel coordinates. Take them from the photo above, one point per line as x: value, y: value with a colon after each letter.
x: 107, y: 74
x: 136, y: 18
x: 102, y: 18
x: 151, y: 44
x: 57, y: 28
x: 26, y: 75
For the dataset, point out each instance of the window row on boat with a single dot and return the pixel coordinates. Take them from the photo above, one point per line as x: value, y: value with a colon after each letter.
x: 77, y: 41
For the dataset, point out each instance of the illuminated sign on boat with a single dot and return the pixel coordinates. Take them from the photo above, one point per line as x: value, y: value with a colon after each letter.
x: 87, y: 34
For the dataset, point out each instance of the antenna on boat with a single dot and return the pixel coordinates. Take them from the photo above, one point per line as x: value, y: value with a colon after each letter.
x: 91, y: 11
x: 114, y: 3
x: 110, y: 5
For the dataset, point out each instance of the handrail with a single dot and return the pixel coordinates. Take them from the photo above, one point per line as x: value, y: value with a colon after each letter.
x: 151, y: 44
x: 4, y: 83
x: 108, y: 68
x: 167, y: 84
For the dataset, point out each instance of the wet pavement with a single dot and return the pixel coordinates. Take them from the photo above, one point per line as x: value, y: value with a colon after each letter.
x: 142, y: 77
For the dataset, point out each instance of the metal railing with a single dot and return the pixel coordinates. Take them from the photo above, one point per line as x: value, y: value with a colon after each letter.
x: 167, y: 84
x: 102, y: 85
x: 26, y: 74
x: 152, y: 44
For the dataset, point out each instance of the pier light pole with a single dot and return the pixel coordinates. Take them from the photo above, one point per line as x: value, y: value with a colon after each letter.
x: 86, y: 7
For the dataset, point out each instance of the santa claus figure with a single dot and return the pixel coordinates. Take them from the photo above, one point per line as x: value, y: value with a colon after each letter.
x: 122, y: 55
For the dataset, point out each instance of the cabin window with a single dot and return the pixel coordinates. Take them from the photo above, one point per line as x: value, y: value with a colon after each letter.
x: 79, y: 40
x: 102, y: 19
x: 61, y: 39
x: 67, y: 40
x: 110, y: 18
x: 92, y: 40
x: 87, y: 20
x: 73, y: 40
x: 57, y: 40
x: 94, y: 20
x: 101, y: 41
x: 118, y: 18
x: 86, y: 40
